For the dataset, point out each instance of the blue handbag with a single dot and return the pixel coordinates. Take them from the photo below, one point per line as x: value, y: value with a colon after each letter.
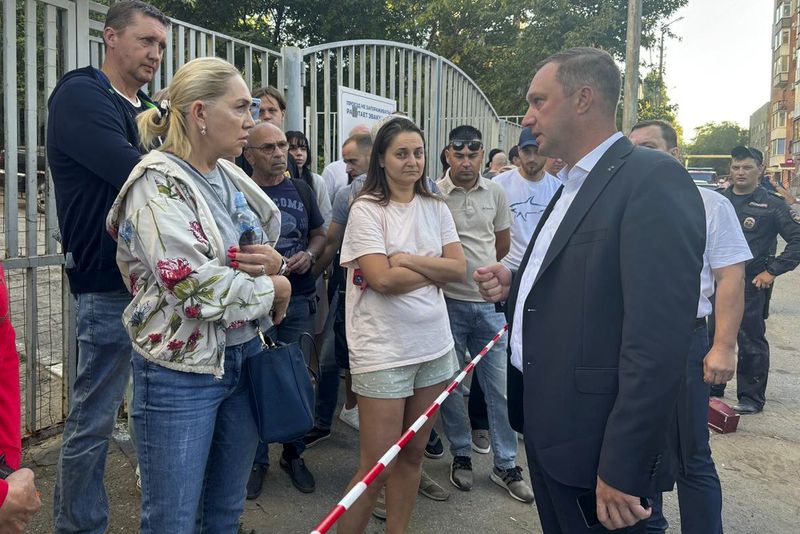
x: 281, y: 391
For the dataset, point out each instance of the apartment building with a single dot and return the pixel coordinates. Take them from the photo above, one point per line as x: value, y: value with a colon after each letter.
x: 760, y: 128
x: 783, y: 154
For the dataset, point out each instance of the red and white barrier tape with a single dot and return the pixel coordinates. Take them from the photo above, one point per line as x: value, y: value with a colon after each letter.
x: 357, y: 490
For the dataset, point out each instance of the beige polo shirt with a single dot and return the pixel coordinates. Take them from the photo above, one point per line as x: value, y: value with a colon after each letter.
x: 478, y: 214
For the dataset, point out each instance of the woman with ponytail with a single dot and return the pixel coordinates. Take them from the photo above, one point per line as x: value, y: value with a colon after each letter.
x: 198, y: 300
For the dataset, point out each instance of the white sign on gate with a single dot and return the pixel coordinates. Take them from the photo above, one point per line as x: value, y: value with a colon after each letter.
x: 359, y: 107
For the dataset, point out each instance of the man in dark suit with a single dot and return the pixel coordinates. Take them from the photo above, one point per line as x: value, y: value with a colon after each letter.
x: 603, y: 306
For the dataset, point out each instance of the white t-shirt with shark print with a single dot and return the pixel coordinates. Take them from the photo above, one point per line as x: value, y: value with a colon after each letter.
x: 527, y: 201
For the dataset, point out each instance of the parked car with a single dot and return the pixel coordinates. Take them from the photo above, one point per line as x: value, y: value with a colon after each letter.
x: 704, y: 177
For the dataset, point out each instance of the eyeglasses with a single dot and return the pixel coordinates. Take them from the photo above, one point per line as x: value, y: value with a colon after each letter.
x: 255, y: 108
x: 269, y: 148
x: 474, y: 145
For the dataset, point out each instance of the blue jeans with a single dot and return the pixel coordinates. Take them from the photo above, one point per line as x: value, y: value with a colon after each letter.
x: 473, y: 325
x: 80, y: 503
x: 699, y: 490
x: 299, y: 320
x: 196, y: 440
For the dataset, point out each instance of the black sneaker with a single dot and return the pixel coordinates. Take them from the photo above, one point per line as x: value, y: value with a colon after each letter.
x: 316, y: 435
x: 461, y: 473
x: 256, y: 481
x: 301, y: 477
x: 434, y: 448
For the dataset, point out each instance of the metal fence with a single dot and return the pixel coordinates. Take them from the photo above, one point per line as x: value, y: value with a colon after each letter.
x: 434, y: 92
x: 43, y: 39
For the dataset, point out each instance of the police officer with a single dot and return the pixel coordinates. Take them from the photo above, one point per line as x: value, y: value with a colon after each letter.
x: 763, y: 215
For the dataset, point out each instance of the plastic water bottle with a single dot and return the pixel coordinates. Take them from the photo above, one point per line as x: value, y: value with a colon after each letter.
x: 249, y: 226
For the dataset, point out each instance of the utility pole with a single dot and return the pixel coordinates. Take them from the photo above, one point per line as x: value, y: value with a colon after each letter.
x: 632, y: 45
x: 661, y: 60
x: 660, y: 68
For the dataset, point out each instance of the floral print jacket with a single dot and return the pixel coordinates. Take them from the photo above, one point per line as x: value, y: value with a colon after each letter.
x: 173, y: 260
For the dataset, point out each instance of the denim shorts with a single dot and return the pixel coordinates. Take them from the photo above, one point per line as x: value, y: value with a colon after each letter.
x: 400, y: 382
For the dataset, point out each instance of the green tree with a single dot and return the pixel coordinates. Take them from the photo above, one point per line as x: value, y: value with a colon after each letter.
x: 499, y: 43
x: 496, y: 42
x: 655, y: 103
x: 716, y: 138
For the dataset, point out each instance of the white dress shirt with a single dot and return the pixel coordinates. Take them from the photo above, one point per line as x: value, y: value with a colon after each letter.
x: 725, y: 244
x: 572, y: 178
x: 335, y: 176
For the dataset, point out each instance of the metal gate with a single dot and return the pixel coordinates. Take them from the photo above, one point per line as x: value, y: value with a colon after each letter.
x: 434, y: 92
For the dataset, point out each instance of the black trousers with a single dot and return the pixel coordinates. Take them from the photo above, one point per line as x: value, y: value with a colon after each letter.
x: 752, y: 368
x: 557, y: 504
x: 478, y: 413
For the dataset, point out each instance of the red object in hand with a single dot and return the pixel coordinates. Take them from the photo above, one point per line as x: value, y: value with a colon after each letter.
x: 359, y: 280
x: 721, y: 417
x: 10, y: 439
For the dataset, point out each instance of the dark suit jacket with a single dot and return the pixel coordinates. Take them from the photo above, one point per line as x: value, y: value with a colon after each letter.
x: 607, y: 324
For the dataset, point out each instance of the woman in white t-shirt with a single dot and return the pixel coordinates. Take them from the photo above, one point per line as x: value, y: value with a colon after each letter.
x: 399, y: 246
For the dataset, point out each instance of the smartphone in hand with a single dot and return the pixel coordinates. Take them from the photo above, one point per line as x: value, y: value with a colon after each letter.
x: 587, y: 504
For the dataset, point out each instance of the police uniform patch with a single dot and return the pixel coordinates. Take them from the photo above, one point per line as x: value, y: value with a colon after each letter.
x: 748, y: 223
x: 758, y: 205
x: 795, y: 215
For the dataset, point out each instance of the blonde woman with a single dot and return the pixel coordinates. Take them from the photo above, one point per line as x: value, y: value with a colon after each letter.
x: 197, y: 302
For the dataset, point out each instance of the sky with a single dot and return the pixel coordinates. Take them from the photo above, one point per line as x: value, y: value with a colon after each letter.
x: 720, y: 68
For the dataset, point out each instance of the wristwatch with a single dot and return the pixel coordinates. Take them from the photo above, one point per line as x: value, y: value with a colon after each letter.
x: 311, y: 256
x: 284, y: 267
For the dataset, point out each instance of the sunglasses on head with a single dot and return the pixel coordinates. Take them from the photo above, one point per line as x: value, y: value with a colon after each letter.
x: 255, y: 108
x: 474, y: 144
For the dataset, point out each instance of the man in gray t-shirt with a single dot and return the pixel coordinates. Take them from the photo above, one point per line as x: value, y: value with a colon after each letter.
x: 344, y: 198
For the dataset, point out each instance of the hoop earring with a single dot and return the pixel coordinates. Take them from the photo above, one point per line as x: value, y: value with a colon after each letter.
x: 203, y: 130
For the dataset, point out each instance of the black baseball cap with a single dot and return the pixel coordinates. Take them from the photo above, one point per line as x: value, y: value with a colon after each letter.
x: 526, y: 138
x: 744, y: 152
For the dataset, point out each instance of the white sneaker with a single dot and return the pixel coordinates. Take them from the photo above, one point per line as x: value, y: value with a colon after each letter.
x: 350, y: 417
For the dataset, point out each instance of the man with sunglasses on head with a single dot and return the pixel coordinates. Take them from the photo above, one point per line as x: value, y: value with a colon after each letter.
x: 482, y: 218
x: 528, y: 187
x: 92, y: 146
x: 763, y: 216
